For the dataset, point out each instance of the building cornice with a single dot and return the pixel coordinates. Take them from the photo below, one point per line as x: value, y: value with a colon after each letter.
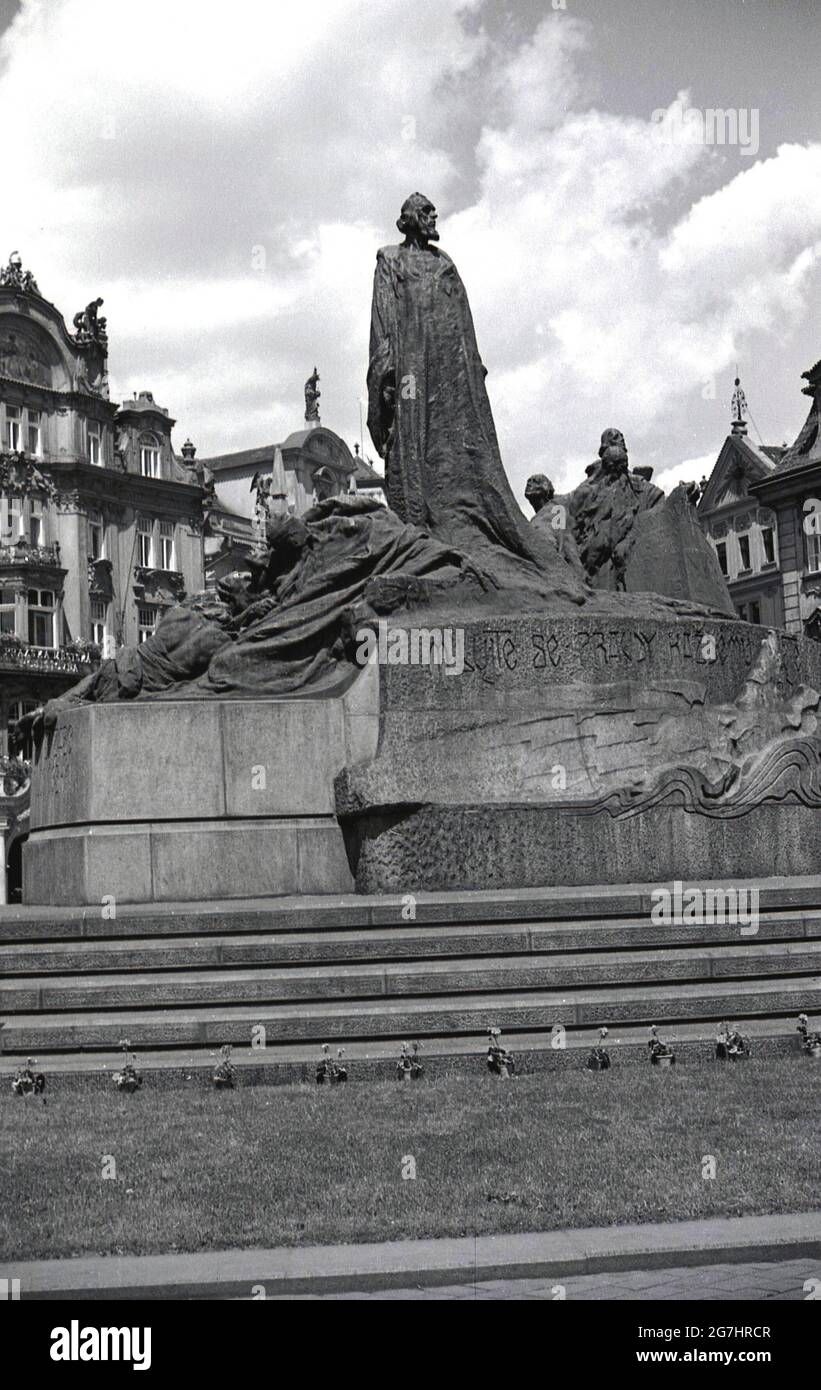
x: 110, y: 484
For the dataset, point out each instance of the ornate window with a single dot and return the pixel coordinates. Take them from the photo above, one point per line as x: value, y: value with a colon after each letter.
x: 744, y: 551
x: 41, y: 607
x: 768, y: 542
x: 814, y: 554
x: 721, y: 552
x: 34, y: 433
x: 168, y: 559
x: 145, y: 542
x: 36, y: 532
x: 99, y: 625
x: 14, y: 428
x: 7, y: 610
x: 149, y: 456
x: 12, y: 518
x: 146, y: 620
x: 94, y: 443
x: 96, y: 536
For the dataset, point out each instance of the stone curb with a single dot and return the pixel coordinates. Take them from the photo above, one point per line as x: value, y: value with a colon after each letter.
x: 402, y: 1264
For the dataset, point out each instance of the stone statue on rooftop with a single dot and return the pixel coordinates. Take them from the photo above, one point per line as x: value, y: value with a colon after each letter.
x: 88, y: 326
x: 312, y: 395
x: 13, y: 276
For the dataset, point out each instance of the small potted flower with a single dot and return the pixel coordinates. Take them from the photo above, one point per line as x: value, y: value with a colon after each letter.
x: 661, y: 1054
x: 730, y: 1045
x: 329, y: 1071
x: 128, y: 1079
x: 225, y: 1071
x: 28, y: 1082
x: 499, y: 1060
x: 409, y: 1067
x: 810, y: 1042
x: 599, y: 1058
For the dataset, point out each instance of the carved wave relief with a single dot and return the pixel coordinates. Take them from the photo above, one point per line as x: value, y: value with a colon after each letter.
x: 768, y: 746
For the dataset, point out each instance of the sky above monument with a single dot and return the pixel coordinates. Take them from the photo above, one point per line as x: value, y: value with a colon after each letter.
x: 223, y: 176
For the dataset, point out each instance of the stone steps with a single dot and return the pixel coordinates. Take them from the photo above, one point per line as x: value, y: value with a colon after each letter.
x: 572, y: 971
x: 344, y: 911
x: 180, y: 981
x: 411, y: 1017
x: 360, y: 945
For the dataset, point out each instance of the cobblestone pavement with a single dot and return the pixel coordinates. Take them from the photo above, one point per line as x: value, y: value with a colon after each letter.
x: 744, y: 1282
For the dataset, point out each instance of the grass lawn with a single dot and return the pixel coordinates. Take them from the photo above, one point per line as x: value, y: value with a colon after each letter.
x: 293, y: 1165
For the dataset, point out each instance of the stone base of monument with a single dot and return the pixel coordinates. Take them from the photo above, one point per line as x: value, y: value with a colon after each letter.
x: 457, y: 847
x: 586, y: 749
x: 194, y: 800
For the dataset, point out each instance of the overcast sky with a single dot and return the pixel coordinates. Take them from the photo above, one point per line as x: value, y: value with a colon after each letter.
x: 223, y: 175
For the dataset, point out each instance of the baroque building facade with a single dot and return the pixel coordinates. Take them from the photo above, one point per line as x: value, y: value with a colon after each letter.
x: 793, y: 492
x: 761, y: 510
x: 743, y: 531
x: 101, y: 521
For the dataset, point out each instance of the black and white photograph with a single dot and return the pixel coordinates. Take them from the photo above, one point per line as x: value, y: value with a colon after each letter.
x: 410, y: 672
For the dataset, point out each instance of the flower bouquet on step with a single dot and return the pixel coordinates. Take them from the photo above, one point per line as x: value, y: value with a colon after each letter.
x: 810, y: 1041
x: 730, y: 1045
x: 499, y: 1060
x: 224, y: 1072
x: 28, y: 1082
x: 599, y: 1058
x: 661, y: 1054
x: 409, y: 1067
x: 128, y: 1079
x: 330, y: 1071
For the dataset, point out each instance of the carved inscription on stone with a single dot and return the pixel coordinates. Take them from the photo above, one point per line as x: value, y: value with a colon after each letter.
x: 59, y: 753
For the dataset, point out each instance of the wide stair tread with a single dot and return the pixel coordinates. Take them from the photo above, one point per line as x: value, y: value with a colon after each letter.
x: 570, y: 971
x: 31, y: 923
x: 339, y: 1020
x: 228, y: 950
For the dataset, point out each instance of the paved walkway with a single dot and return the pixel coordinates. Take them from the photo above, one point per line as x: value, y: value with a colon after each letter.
x: 608, y: 1254
x: 746, y: 1283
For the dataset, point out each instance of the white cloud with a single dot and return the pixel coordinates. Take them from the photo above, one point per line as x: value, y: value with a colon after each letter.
x: 688, y: 471
x: 153, y: 150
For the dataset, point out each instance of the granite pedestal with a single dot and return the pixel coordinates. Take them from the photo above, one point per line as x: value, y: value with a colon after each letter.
x: 195, y: 800
x: 584, y: 749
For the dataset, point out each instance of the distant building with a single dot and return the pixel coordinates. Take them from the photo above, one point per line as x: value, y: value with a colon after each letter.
x: 743, y: 531
x: 368, y: 482
x: 100, y: 521
x: 311, y: 464
x: 792, y: 490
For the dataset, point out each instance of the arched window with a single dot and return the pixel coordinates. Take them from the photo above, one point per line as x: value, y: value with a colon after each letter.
x: 149, y: 456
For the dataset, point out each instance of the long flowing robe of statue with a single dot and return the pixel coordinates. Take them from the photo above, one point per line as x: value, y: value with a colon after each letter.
x: 297, y: 646
x: 430, y: 419
x: 294, y: 636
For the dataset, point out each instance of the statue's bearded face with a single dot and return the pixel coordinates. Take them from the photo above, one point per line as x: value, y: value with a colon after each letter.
x: 417, y: 220
x: 426, y: 222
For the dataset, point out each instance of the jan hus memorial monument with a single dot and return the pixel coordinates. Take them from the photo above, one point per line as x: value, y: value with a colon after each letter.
x: 611, y: 719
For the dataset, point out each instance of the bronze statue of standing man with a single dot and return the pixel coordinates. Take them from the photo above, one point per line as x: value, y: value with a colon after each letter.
x: 430, y: 419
